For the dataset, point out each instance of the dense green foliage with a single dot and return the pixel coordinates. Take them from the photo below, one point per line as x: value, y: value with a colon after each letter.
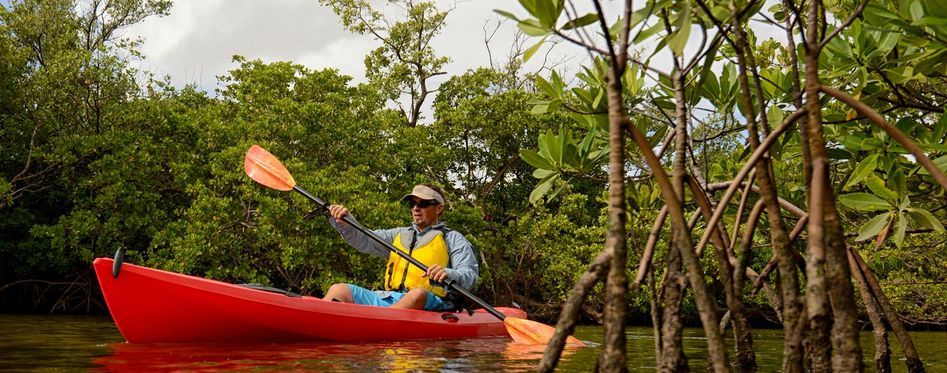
x: 93, y: 159
x: 890, y: 59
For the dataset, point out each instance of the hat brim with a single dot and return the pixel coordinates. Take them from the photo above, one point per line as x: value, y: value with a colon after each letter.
x: 424, y: 192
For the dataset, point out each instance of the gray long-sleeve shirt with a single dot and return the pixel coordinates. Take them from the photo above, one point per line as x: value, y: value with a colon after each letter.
x: 464, y: 268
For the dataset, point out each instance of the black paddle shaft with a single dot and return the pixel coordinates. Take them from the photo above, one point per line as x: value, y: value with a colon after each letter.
x: 450, y: 283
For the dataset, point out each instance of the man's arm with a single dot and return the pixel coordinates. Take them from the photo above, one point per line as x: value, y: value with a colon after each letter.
x: 361, y: 242
x: 465, y: 269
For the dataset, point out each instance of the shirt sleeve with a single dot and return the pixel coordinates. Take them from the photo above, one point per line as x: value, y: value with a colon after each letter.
x: 465, y: 269
x: 362, y: 242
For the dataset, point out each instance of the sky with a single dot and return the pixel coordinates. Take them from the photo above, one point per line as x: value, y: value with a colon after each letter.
x: 196, y: 42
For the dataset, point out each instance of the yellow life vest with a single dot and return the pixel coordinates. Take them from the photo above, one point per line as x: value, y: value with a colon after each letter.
x: 430, y: 249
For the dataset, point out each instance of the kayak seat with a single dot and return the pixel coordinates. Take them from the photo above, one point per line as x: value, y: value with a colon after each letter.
x: 450, y: 317
x: 270, y: 289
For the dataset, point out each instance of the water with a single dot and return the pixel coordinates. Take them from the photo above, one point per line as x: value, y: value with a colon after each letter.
x: 90, y: 343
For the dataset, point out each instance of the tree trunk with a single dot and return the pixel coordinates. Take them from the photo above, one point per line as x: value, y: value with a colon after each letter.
x: 745, y: 358
x: 570, y: 312
x: 912, y: 359
x: 672, y: 327
x: 882, y: 352
x: 716, y: 348
x: 847, y: 352
x: 789, y: 283
x: 656, y: 316
x: 681, y: 239
x: 829, y: 263
x: 644, y: 265
x: 613, y: 357
x: 818, y: 346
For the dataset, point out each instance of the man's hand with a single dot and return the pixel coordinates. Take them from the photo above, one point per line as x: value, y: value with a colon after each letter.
x: 436, y: 273
x: 337, y: 212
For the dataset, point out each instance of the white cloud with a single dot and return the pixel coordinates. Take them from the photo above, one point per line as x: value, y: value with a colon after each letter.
x: 196, y: 42
x: 347, y: 54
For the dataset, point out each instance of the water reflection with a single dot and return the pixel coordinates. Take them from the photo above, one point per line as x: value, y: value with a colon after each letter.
x: 496, y: 354
x: 53, y: 343
x: 68, y: 343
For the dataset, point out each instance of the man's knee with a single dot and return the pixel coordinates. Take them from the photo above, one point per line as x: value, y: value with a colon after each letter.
x: 417, y: 296
x: 417, y: 293
x: 414, y: 298
x: 339, y: 292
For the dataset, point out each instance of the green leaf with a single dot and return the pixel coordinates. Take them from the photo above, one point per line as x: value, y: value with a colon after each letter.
x: 917, y: 10
x: 898, y: 181
x: 506, y: 14
x: 541, y: 189
x: 532, y: 50
x: 585, y: 20
x: 905, y: 202
x: 873, y: 226
x: 649, y: 32
x: 888, y: 42
x: 535, y: 160
x: 542, y: 173
x: 864, y: 169
x: 879, y: 11
x: 543, y: 149
x: 934, y: 147
x: 877, y: 186
x: 532, y: 6
x: 554, y: 104
x: 940, y: 128
x: 925, y: 218
x: 638, y: 16
x: 540, y: 108
x: 871, y: 143
x: 940, y: 163
x: 552, y: 147
x: 710, y: 86
x: 775, y: 115
x: 678, y: 39
x: 851, y: 143
x: 585, y: 146
x: 633, y: 81
x: 900, y: 227
x: 930, y: 20
x: 565, y: 140
x: 532, y: 27
x: 900, y: 74
x: 840, y: 50
x: 570, y: 157
x: 546, y: 11
x: 864, y: 202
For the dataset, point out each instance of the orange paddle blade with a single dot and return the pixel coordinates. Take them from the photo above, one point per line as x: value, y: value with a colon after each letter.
x: 264, y: 168
x: 531, y: 332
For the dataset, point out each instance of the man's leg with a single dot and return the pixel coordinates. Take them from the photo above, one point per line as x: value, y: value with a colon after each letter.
x: 341, y: 293
x: 414, y: 299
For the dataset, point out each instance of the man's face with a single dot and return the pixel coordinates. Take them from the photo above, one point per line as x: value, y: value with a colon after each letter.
x: 424, y: 212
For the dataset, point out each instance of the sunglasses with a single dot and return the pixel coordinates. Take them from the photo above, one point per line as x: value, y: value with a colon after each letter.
x: 422, y: 204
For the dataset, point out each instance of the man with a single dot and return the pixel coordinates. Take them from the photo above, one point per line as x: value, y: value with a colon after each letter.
x: 446, y: 253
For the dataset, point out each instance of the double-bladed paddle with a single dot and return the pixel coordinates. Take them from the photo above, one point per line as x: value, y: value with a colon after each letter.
x: 265, y: 169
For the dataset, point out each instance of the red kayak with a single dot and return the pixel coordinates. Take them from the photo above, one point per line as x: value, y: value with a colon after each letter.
x: 151, y: 305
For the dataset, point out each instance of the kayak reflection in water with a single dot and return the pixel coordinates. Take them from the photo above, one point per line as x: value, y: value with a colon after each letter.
x: 446, y: 253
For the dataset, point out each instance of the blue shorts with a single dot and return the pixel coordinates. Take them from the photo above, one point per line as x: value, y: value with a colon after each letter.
x: 387, y: 298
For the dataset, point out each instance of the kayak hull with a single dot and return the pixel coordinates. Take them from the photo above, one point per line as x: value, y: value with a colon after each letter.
x: 150, y: 306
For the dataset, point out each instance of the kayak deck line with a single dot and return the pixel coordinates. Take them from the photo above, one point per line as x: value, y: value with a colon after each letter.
x: 150, y: 306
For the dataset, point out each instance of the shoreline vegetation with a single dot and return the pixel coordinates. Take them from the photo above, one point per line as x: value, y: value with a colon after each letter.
x: 78, y: 298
